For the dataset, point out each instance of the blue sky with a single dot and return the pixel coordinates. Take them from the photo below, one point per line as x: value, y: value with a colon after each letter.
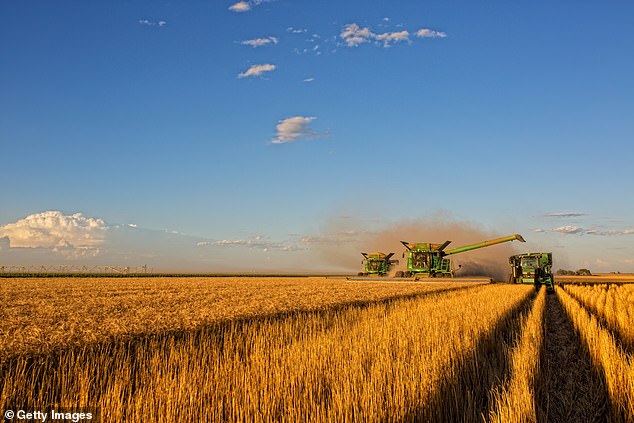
x: 268, y: 124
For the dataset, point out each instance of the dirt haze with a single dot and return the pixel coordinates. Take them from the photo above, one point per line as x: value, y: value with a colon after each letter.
x: 344, y: 239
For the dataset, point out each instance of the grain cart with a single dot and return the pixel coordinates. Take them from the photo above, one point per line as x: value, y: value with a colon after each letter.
x: 377, y: 264
x: 533, y: 268
x: 427, y: 259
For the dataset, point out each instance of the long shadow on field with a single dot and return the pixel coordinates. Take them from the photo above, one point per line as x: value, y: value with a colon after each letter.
x: 465, y: 396
x: 623, y: 343
x: 567, y: 388
x: 38, y: 368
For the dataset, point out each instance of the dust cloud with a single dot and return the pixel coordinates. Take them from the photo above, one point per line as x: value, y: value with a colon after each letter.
x: 343, y: 239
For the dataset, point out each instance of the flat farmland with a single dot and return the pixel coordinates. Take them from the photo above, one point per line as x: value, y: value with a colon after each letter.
x: 315, y: 349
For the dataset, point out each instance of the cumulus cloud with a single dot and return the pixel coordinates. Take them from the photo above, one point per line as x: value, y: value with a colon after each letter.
x: 259, y: 42
x: 241, y: 6
x: 429, y: 33
x: 61, y: 233
x: 392, y: 37
x: 353, y: 35
x: 565, y: 214
x: 294, y: 128
x: 257, y: 70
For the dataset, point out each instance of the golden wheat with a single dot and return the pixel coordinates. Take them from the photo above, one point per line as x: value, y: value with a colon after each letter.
x: 613, y: 304
x: 379, y: 362
x: 38, y: 315
x: 606, y: 355
x: 516, y: 401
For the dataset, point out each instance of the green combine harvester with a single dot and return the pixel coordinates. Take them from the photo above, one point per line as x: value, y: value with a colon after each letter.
x: 377, y: 264
x: 428, y: 260
x: 533, y: 268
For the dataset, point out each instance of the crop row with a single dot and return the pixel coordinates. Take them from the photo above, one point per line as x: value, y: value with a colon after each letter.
x: 613, y: 305
x: 608, y: 357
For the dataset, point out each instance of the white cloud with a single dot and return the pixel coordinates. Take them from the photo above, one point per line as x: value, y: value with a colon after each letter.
x: 294, y: 128
x: 392, y: 37
x: 296, y: 30
x: 565, y: 214
x: 241, y: 6
x: 56, y: 231
x: 353, y: 35
x: 148, y: 22
x: 259, y: 42
x: 309, y: 79
x: 257, y: 242
x: 569, y: 230
x: 428, y: 33
x: 257, y: 70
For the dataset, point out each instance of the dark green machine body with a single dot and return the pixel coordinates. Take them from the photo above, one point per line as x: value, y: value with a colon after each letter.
x: 533, y: 268
x: 424, y: 258
x: 377, y: 264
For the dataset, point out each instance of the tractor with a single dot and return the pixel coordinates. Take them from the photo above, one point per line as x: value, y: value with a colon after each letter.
x: 427, y: 259
x: 533, y: 268
x: 377, y: 264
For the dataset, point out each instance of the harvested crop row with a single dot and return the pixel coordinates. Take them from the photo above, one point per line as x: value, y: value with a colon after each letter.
x: 608, y: 358
x: 382, y: 362
x: 39, y: 315
x: 614, y: 305
x: 516, y: 401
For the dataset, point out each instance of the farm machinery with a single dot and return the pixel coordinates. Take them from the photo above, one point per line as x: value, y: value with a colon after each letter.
x: 427, y: 259
x: 533, y: 268
x: 377, y: 264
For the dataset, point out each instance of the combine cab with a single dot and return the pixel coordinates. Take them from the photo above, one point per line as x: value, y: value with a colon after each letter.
x: 377, y: 264
x: 533, y: 268
x: 427, y: 259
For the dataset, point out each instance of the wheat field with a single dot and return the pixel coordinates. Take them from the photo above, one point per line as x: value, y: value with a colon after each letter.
x: 307, y: 349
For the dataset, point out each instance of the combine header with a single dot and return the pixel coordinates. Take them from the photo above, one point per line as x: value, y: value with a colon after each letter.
x: 533, y: 268
x: 428, y: 260
x: 377, y: 264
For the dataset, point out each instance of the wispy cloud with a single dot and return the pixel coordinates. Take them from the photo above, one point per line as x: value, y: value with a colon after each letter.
x: 293, y: 30
x: 245, y: 6
x: 239, y: 7
x: 293, y: 129
x: 147, y: 22
x: 311, y: 79
x: 569, y: 230
x: 430, y: 33
x: 565, y: 214
x: 257, y: 70
x: 259, y: 42
x: 354, y: 35
x: 257, y: 242
x: 575, y: 230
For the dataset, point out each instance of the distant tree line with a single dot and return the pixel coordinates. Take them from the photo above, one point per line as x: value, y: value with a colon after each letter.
x: 580, y: 272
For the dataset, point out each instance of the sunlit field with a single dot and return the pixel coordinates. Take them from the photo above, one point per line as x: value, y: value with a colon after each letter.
x: 312, y: 349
